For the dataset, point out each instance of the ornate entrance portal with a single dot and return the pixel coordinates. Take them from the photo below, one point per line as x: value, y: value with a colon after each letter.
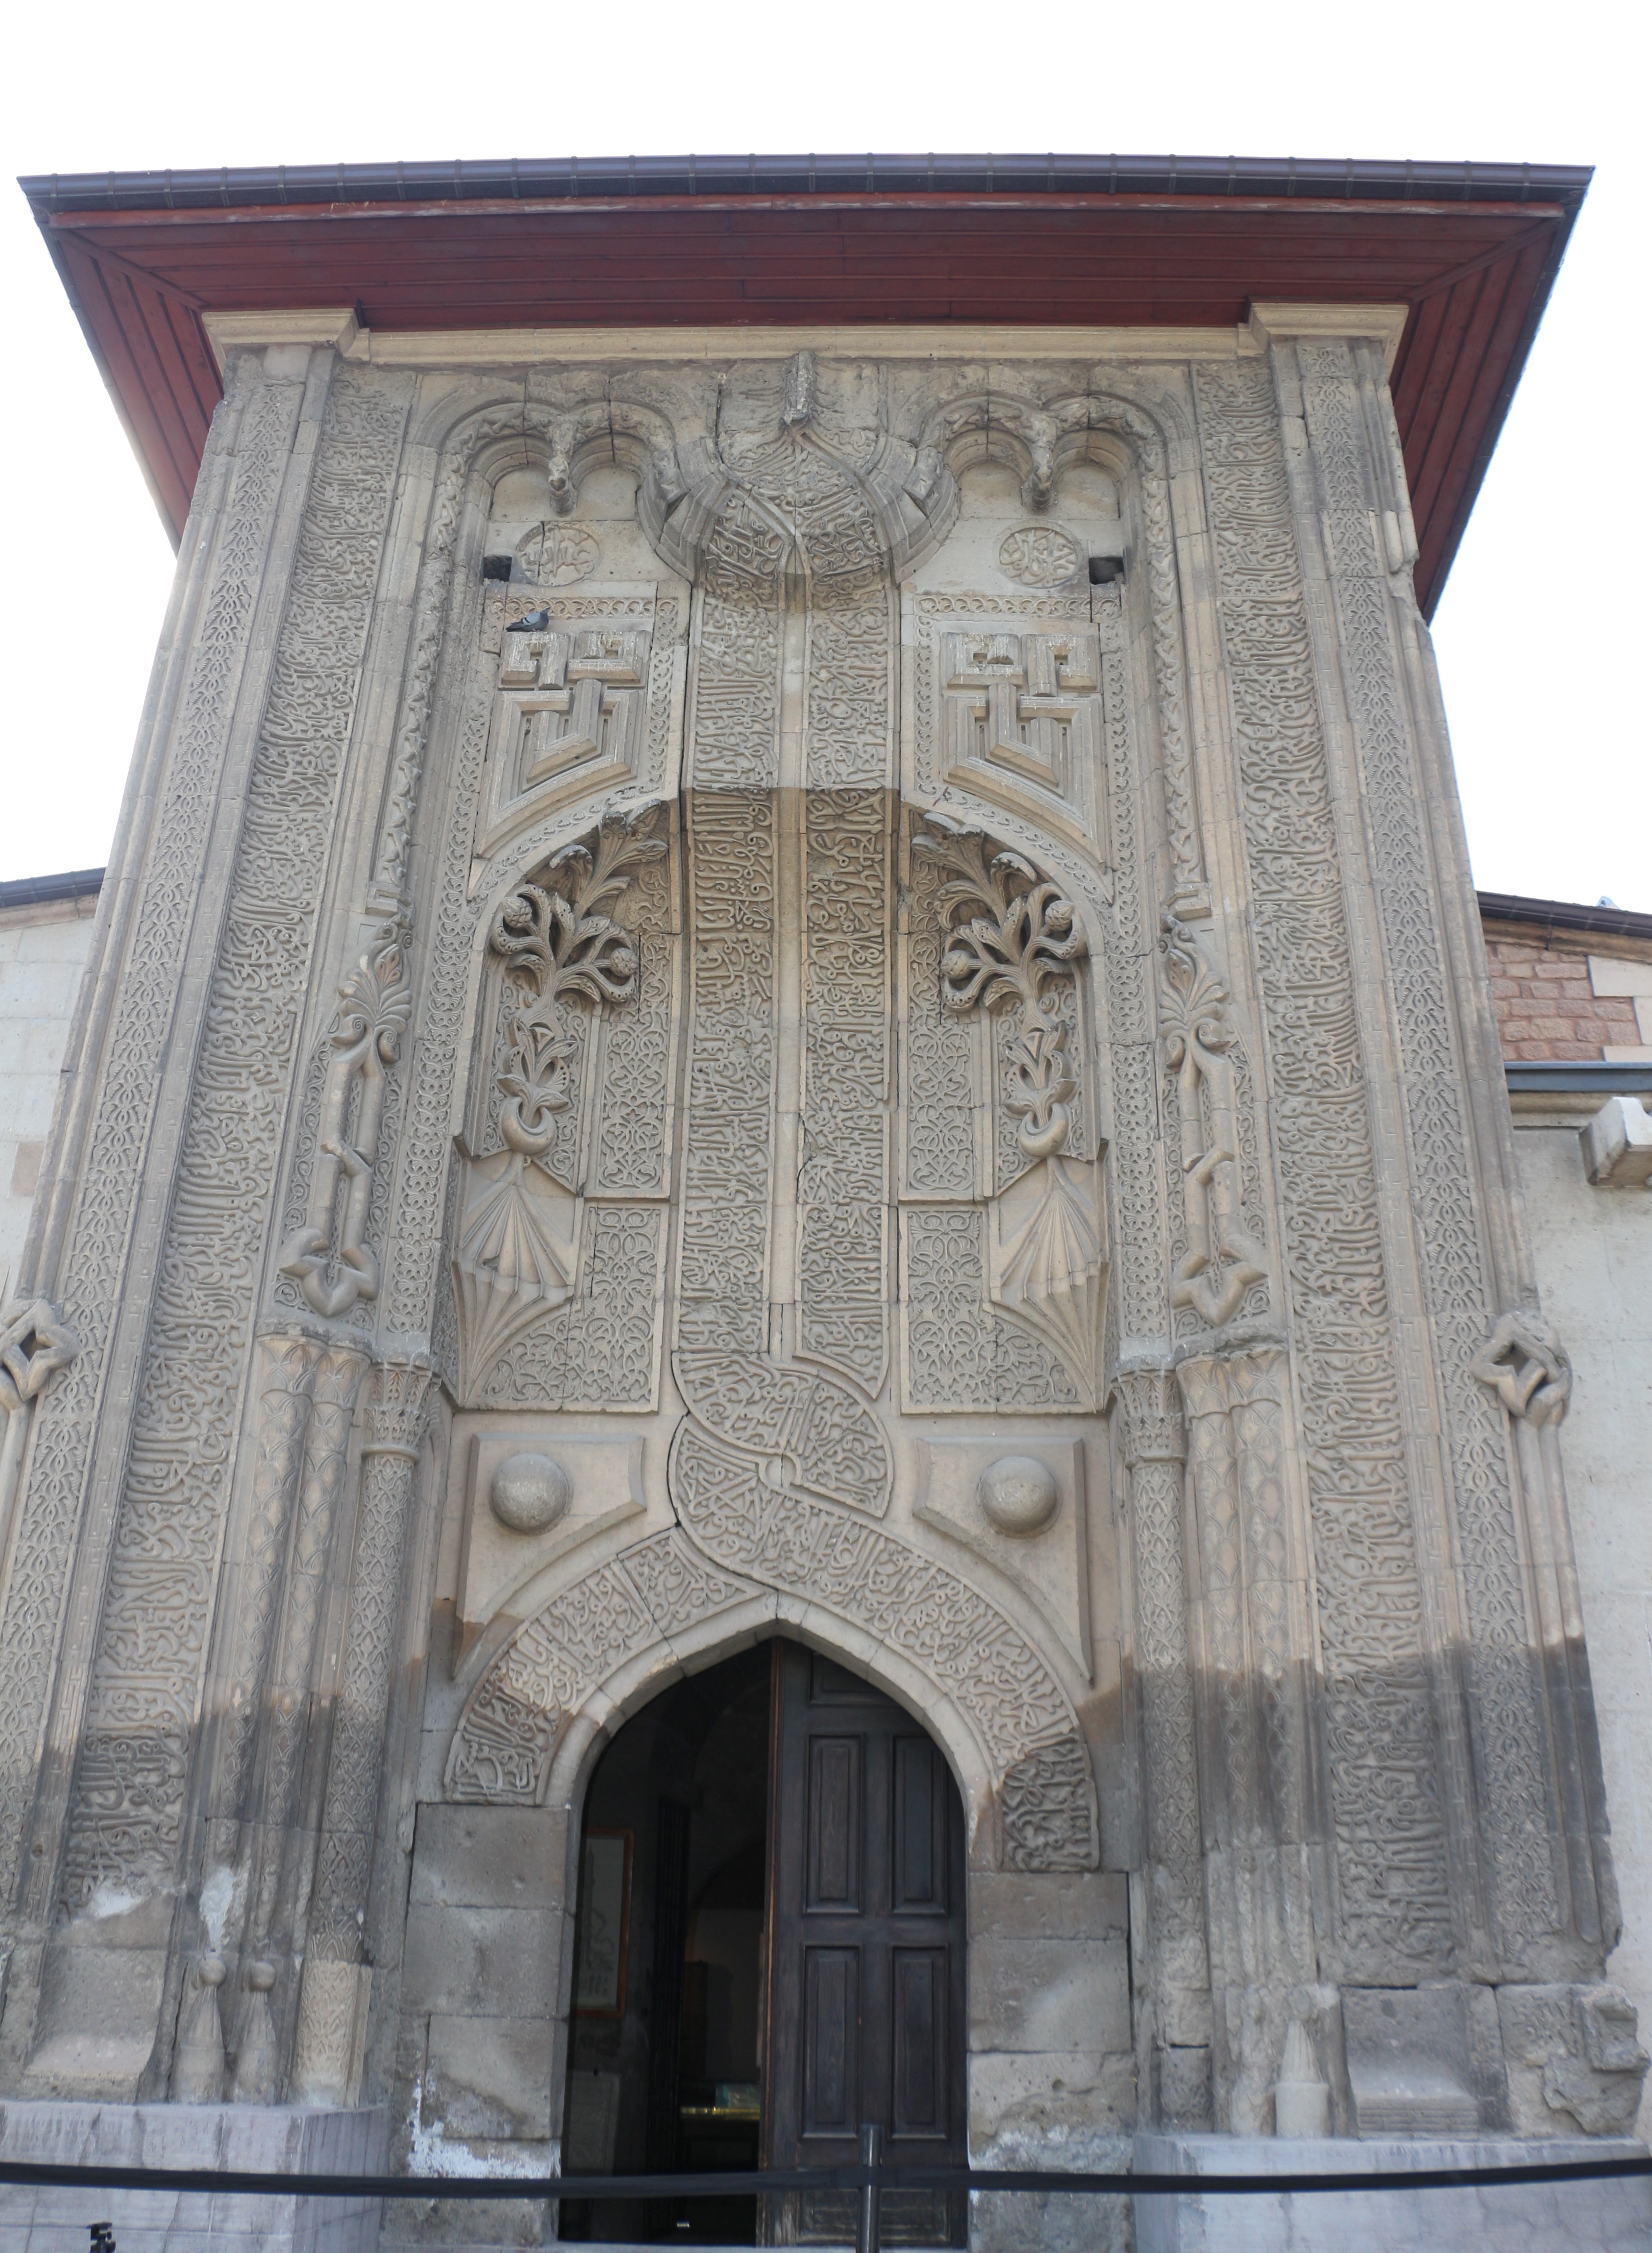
x: 769, y: 1952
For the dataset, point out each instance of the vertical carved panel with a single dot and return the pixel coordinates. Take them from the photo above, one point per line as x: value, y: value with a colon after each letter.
x: 842, y: 1190
x: 129, y: 1808
x: 1510, y: 1730
x: 1394, y: 1904
x: 632, y: 1146
x: 939, y: 1094
x: 90, y: 1293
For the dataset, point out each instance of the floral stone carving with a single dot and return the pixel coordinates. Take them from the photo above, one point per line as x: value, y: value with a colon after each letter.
x: 329, y: 1258
x: 1223, y: 1258
x: 1012, y: 941
x: 518, y: 1255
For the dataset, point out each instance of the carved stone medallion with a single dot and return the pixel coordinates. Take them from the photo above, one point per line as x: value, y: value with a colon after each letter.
x: 557, y: 554
x: 1039, y: 555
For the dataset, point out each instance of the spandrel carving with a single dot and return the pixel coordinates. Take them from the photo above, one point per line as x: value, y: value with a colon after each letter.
x: 572, y: 711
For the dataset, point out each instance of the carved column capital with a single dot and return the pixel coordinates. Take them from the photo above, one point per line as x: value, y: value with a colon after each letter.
x: 35, y: 1344
x: 1214, y: 1383
x: 1153, y: 1426
x: 396, y: 1408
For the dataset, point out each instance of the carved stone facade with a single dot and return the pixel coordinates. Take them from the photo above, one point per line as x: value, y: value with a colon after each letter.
x: 889, y: 1009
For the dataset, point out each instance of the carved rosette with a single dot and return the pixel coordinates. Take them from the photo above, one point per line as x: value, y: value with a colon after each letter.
x: 35, y: 1344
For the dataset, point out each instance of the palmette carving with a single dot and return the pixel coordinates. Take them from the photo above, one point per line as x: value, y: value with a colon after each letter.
x: 518, y: 1253
x: 1011, y: 946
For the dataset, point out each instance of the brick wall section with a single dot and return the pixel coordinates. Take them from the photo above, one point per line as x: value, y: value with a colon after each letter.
x: 1546, y: 1009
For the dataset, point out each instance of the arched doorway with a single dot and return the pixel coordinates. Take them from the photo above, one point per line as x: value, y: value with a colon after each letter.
x: 770, y: 1950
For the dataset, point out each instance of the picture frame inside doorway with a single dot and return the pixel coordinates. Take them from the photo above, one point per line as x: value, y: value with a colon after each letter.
x: 604, y: 1925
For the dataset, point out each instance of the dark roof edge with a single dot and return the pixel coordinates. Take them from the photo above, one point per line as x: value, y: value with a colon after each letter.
x: 40, y: 891
x: 1564, y: 915
x: 1499, y: 415
x: 460, y: 181
x: 1583, y: 1077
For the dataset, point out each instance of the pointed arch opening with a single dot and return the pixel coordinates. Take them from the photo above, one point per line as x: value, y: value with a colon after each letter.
x: 768, y: 1951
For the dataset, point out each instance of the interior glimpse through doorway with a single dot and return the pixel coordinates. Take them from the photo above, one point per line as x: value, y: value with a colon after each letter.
x: 769, y: 1950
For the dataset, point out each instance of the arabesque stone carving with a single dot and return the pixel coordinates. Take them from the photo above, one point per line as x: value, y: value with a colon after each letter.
x: 761, y: 1072
x: 1223, y: 1258
x: 518, y: 1243
x: 1012, y: 938
x: 330, y: 1258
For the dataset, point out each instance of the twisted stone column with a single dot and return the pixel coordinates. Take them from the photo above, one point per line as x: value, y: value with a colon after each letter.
x: 1155, y: 1449
x: 332, y: 2010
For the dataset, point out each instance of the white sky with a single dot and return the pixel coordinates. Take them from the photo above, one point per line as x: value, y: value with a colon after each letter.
x: 1539, y: 632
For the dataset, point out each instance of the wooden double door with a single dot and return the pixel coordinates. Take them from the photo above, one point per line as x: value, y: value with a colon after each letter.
x: 865, y: 1997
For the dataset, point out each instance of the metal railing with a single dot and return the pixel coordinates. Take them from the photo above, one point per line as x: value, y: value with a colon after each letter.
x: 869, y: 2179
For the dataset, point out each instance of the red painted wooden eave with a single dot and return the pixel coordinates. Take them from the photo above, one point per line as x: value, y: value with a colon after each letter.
x: 1475, y: 269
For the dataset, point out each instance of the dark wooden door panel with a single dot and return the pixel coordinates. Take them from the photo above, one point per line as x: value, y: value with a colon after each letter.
x: 917, y: 2043
x: 831, y: 2041
x: 866, y: 2007
x: 835, y: 1796
x: 922, y: 1789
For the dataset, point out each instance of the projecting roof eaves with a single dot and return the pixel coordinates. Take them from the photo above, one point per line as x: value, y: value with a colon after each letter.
x: 774, y: 241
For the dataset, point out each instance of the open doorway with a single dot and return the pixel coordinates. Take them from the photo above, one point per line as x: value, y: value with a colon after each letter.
x: 769, y: 1950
